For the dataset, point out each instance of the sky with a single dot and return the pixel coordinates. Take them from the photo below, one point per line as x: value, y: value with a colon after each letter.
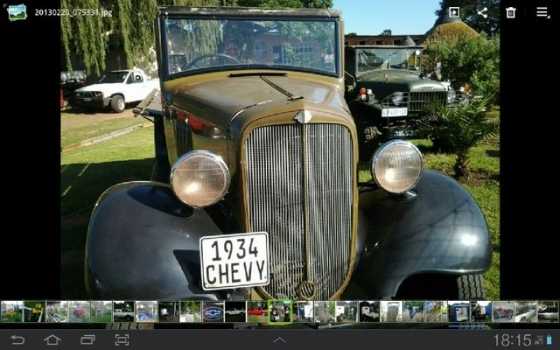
x: 401, y: 16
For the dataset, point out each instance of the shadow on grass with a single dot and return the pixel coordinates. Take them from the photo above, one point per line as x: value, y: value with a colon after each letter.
x: 81, y: 186
x: 94, y: 109
x: 84, y: 110
x: 425, y: 149
x: 495, y: 153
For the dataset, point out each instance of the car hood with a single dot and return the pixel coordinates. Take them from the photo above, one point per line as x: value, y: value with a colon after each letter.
x: 104, y: 88
x: 222, y: 100
x: 386, y: 81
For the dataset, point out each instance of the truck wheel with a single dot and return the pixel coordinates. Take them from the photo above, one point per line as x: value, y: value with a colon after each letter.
x: 117, y: 103
x: 470, y: 287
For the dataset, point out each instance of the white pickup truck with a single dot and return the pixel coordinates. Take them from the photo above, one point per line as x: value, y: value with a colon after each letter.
x: 115, y: 89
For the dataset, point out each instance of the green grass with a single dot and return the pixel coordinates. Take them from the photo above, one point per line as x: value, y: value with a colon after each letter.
x: 86, y: 173
x: 88, y: 127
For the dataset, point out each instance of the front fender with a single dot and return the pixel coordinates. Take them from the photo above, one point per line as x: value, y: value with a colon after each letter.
x: 143, y: 244
x: 440, y: 230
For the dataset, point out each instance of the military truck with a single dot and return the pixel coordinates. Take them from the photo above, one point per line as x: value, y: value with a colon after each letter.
x: 388, y: 94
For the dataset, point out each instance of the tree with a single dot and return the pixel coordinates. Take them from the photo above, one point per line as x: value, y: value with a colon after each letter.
x: 474, y: 61
x: 84, y: 36
x: 386, y: 32
x: 460, y: 128
x: 469, y: 9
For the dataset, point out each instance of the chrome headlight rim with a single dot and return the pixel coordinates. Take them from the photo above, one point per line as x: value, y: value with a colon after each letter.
x: 397, y: 98
x: 214, y: 157
x: 378, y: 154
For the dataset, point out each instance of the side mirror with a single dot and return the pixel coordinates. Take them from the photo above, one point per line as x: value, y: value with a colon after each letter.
x: 138, y: 78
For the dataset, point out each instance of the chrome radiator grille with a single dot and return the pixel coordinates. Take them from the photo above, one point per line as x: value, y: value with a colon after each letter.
x: 300, y: 192
x: 420, y: 101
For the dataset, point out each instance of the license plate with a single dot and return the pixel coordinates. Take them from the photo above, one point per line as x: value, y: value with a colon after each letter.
x: 403, y: 133
x: 235, y: 260
x: 394, y: 112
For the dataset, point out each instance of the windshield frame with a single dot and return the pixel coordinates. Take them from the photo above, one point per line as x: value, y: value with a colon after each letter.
x: 163, y: 59
x: 356, y: 48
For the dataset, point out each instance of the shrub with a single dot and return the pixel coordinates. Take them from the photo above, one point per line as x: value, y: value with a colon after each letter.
x: 471, y: 61
x: 456, y: 129
x: 450, y: 32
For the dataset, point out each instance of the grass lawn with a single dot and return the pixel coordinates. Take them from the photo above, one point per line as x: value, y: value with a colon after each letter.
x: 79, y: 127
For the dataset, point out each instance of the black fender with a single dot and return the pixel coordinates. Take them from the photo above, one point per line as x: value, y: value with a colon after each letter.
x: 438, y: 229
x: 143, y: 244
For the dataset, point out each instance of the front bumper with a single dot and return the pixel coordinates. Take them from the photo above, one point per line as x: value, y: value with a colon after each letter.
x: 91, y: 102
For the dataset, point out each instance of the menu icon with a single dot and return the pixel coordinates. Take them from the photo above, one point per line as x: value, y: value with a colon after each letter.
x: 542, y: 12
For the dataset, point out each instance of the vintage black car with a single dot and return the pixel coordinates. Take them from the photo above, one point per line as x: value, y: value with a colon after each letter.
x: 388, y: 94
x: 255, y: 192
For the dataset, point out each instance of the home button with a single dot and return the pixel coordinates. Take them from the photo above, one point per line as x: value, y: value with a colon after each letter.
x: 52, y: 340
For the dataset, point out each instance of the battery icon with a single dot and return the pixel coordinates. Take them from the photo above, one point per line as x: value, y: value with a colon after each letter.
x: 548, y: 340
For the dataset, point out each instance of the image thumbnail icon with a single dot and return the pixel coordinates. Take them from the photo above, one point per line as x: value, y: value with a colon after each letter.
x: 79, y: 311
x: 302, y: 311
x: 17, y: 12
x: 257, y: 311
x: 57, y: 311
x: 435, y: 311
x: 481, y: 311
x: 191, y: 312
x: 548, y: 311
x: 413, y: 311
x: 101, y: 311
x: 12, y: 311
x: 168, y: 311
x: 369, y: 311
x: 34, y: 311
x: 458, y: 311
x: 346, y: 312
x: 146, y: 311
x: 391, y: 311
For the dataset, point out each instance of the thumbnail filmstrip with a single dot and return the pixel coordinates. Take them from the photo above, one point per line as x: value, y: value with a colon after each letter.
x: 280, y: 312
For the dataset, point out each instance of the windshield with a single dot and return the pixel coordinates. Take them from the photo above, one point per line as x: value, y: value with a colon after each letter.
x: 385, y: 58
x: 113, y: 77
x: 194, y: 44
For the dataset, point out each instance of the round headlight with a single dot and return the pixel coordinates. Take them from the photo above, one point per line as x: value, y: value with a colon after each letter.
x: 397, y: 98
x: 397, y: 166
x: 200, y: 178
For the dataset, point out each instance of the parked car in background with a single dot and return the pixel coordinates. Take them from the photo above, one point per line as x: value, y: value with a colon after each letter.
x: 388, y: 94
x: 255, y: 145
x: 115, y: 89
x: 69, y: 82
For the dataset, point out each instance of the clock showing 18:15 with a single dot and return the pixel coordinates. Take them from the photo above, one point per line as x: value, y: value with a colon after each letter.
x: 506, y: 340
